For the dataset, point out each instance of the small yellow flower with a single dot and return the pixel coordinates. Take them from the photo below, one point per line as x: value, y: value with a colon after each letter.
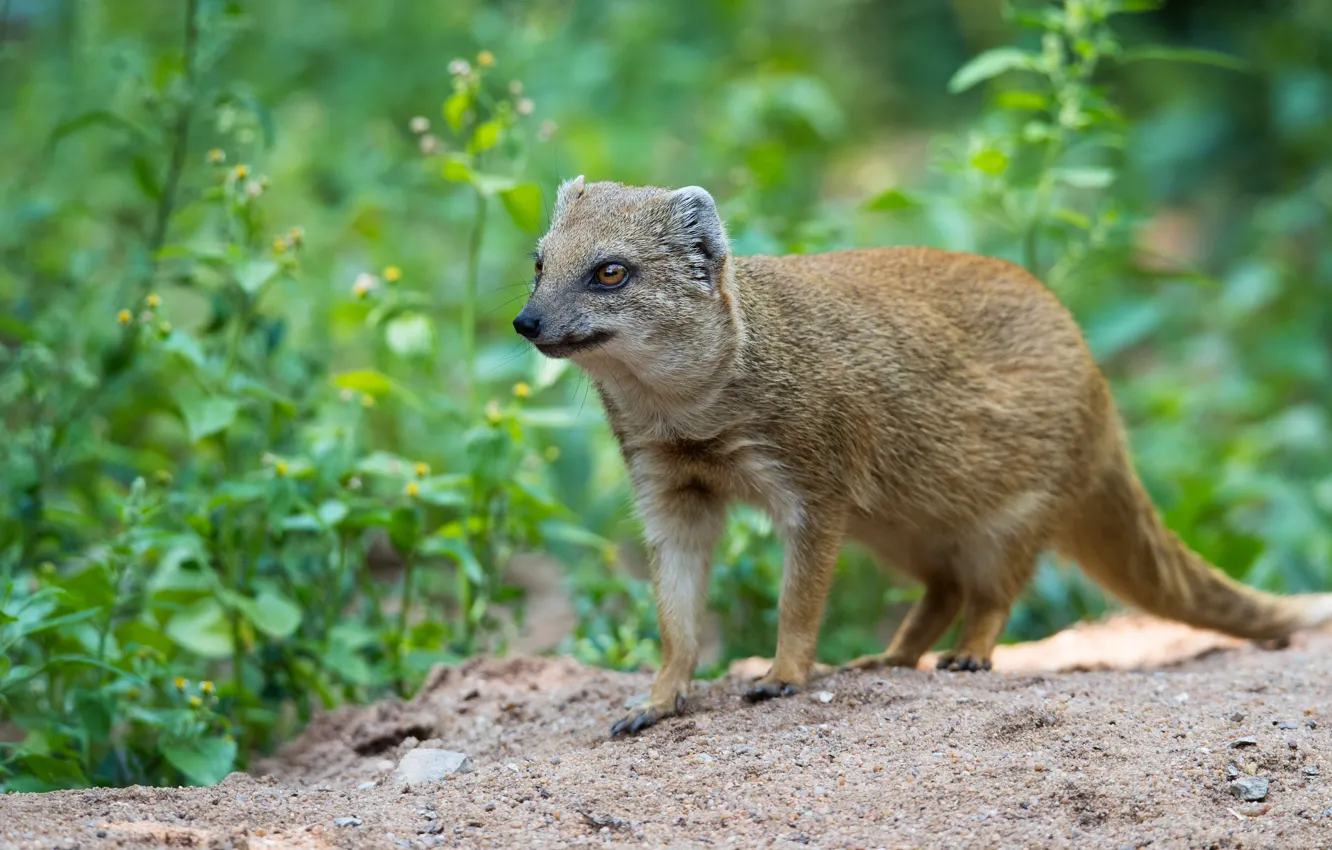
x: 153, y: 300
x: 240, y: 172
x: 217, y: 155
x: 392, y: 274
x: 364, y: 283
x: 195, y: 702
x: 485, y: 58
x: 522, y: 390
x: 493, y: 414
x: 412, y: 489
x: 279, y: 245
x: 206, y: 687
x: 422, y: 470
x: 280, y: 468
x: 367, y: 400
x: 296, y: 235
x: 180, y: 682
x: 124, y: 317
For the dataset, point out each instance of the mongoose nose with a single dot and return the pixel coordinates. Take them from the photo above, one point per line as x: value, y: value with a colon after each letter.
x: 528, y: 326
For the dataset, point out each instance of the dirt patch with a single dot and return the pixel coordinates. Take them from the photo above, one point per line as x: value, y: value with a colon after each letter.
x: 1106, y: 756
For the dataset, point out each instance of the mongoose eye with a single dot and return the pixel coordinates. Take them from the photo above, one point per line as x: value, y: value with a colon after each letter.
x: 612, y: 274
x: 537, y: 268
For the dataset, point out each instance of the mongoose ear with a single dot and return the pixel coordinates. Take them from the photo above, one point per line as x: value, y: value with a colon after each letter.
x: 698, y: 228
x: 567, y: 195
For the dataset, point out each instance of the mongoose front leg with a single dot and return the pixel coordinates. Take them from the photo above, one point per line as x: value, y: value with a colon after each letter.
x: 682, y: 528
x: 811, y: 558
x: 927, y: 620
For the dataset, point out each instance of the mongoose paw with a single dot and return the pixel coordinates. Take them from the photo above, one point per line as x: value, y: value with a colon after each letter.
x: 767, y: 688
x: 643, y: 717
x: 879, y: 661
x: 963, y: 663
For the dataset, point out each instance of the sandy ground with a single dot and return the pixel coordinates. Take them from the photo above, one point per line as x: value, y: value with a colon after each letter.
x: 1089, y: 753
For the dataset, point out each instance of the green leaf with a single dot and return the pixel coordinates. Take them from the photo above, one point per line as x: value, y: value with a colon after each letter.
x: 548, y: 371
x: 1184, y: 54
x: 990, y: 162
x: 553, y: 529
x: 52, y: 774
x: 99, y: 118
x: 458, y: 550
x: 990, y: 64
x: 206, y: 761
x: 332, y: 512
x: 410, y: 335
x: 550, y: 417
x: 256, y: 274
x: 204, y: 414
x: 404, y: 529
x: 1084, y: 178
x: 1021, y: 100
x: 202, y: 629
x: 1072, y: 217
x: 145, y: 176
x: 456, y: 170
x: 455, y: 108
x: 271, y: 612
x: 486, y: 136
x: 890, y: 201
x: 186, y: 347
x: 524, y: 205
x: 366, y: 381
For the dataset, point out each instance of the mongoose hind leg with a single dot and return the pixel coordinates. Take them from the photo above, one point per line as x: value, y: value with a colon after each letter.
x: 811, y: 557
x: 989, y: 599
x: 927, y: 620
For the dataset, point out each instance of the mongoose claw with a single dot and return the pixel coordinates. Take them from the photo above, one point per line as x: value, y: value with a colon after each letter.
x: 963, y: 663
x: 766, y: 689
x: 632, y: 724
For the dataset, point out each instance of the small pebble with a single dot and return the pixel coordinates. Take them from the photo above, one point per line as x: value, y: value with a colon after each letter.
x: 366, y: 786
x: 1250, y: 789
x: 1293, y: 744
x: 554, y: 759
x: 1311, y: 770
x: 1249, y: 741
x: 1237, y: 717
x: 824, y: 696
x: 351, y: 821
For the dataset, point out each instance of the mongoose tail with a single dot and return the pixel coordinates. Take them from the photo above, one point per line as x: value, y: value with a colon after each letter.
x: 1118, y: 539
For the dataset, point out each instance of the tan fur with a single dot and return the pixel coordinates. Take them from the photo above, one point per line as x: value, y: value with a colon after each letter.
x: 942, y: 408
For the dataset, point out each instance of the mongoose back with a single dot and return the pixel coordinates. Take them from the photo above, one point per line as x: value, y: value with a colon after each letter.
x: 941, y: 408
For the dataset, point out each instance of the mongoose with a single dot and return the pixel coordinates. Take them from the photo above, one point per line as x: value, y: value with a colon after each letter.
x: 941, y: 408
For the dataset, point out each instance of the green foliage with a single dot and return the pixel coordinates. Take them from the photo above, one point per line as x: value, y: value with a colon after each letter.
x: 268, y: 445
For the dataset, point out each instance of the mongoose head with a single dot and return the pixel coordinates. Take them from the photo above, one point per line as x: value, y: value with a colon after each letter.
x: 630, y: 279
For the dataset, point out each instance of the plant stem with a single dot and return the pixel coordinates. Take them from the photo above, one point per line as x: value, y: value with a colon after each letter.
x: 180, y: 143
x: 409, y: 562
x: 469, y: 298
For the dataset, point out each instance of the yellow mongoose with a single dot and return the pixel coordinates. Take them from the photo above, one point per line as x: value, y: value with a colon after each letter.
x: 941, y: 408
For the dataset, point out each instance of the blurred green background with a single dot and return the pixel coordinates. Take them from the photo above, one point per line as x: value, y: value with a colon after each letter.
x: 212, y: 518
